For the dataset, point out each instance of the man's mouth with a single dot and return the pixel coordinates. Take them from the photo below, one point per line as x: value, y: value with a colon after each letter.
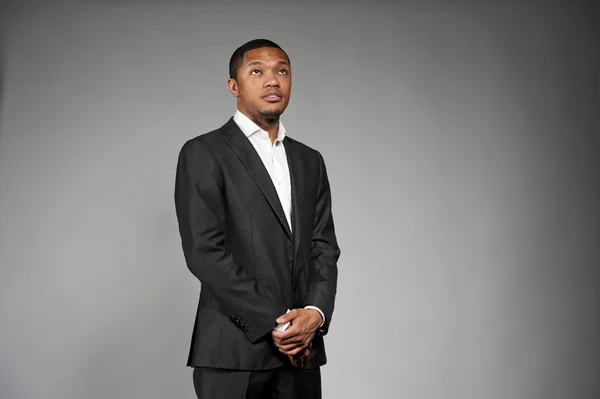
x: 272, y: 96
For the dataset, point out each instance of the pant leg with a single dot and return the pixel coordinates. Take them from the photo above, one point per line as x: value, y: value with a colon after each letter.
x: 212, y: 383
x: 295, y: 383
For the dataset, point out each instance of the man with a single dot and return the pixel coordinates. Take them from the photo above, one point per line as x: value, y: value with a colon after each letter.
x: 254, y: 212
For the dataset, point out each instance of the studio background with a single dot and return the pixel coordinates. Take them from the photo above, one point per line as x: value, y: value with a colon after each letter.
x: 461, y: 141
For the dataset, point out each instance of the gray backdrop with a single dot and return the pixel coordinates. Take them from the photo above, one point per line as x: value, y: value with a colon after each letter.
x: 461, y: 140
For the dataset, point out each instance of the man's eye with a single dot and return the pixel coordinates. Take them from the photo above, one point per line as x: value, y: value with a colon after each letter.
x: 255, y: 72
x: 283, y: 71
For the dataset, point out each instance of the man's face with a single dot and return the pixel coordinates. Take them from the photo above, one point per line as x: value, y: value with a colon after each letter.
x: 263, y: 83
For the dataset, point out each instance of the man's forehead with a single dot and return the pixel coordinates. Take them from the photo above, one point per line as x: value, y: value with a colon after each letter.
x: 265, y: 54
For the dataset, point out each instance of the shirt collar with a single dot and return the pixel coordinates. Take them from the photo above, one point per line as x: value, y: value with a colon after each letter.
x: 249, y: 128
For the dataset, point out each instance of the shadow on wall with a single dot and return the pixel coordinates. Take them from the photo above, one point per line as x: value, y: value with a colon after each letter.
x: 6, y: 12
x: 2, y: 70
x: 9, y: 11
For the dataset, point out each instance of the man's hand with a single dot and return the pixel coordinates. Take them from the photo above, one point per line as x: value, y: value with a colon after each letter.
x: 301, y: 359
x: 300, y: 333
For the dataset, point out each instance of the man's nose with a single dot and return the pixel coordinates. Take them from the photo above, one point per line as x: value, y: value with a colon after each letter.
x: 272, y: 80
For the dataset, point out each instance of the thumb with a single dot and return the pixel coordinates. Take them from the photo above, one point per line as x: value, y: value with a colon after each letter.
x: 290, y: 315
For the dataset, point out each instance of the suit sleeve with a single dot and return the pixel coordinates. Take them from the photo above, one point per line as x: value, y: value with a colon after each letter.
x: 201, y: 214
x: 324, y: 253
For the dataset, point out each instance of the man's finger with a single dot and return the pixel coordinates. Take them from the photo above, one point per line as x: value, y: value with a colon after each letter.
x: 296, y: 342
x: 286, y: 336
x: 296, y: 351
x: 291, y: 331
x: 305, y: 356
x: 293, y: 360
x: 292, y: 350
x: 292, y: 339
x: 289, y: 316
x: 302, y: 359
x: 287, y: 348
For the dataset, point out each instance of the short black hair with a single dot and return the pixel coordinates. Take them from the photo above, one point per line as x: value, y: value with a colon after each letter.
x: 237, y: 58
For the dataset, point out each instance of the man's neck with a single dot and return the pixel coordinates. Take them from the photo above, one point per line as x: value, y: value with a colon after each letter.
x: 273, y: 129
x: 269, y: 125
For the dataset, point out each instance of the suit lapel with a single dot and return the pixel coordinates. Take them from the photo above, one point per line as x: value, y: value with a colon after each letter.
x: 240, y: 144
x: 297, y: 182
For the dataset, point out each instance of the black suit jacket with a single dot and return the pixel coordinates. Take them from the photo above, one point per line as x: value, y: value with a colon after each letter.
x: 237, y: 242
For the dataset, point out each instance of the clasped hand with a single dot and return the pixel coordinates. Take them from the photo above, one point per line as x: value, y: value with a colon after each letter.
x: 296, y: 340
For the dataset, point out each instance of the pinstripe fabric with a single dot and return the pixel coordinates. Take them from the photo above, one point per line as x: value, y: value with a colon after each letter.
x: 210, y: 383
x: 237, y: 242
x: 282, y: 383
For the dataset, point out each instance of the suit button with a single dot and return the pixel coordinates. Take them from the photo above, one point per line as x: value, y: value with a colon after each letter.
x: 296, y: 287
x: 291, y: 260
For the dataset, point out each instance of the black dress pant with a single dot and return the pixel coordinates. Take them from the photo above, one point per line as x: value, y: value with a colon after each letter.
x: 282, y: 383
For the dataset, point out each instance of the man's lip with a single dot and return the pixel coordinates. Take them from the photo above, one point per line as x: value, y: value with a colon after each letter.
x: 272, y: 95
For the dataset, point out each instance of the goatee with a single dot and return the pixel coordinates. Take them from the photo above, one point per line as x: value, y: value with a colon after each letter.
x: 270, y: 113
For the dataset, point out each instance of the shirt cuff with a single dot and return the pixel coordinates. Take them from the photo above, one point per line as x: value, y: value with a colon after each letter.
x: 318, y: 310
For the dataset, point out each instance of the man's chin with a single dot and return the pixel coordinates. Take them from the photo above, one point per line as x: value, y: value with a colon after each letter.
x: 270, y: 113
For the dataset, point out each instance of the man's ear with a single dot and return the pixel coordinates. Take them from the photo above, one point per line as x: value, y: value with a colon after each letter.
x: 233, y: 87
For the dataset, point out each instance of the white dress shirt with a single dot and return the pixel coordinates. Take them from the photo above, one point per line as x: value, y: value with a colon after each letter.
x: 274, y: 158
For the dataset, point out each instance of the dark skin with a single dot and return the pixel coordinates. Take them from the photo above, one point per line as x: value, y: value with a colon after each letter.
x: 262, y: 88
x: 296, y: 340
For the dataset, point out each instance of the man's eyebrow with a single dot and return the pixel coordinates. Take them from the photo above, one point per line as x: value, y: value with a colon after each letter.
x: 262, y: 63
